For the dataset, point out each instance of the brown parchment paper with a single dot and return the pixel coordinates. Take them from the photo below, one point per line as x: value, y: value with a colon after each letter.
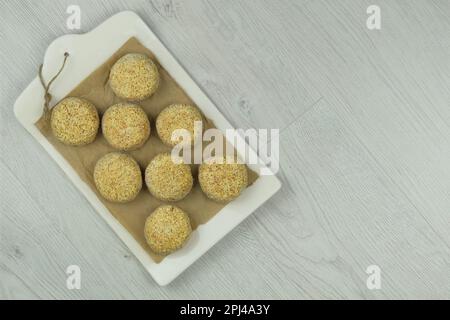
x: 132, y: 215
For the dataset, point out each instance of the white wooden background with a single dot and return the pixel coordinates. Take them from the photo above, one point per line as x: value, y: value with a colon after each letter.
x: 365, y: 153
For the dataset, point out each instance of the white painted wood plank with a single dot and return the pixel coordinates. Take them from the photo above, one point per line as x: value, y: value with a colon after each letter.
x: 361, y: 215
x: 396, y: 103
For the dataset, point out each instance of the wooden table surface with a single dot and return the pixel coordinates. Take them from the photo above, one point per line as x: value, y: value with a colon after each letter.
x: 364, y: 117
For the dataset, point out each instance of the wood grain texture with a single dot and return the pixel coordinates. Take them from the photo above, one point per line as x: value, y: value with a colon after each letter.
x: 365, y: 153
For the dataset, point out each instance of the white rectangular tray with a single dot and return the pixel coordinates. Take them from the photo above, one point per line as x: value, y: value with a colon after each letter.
x: 87, y: 52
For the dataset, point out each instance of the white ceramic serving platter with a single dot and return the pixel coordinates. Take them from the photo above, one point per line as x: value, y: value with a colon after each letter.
x: 87, y: 52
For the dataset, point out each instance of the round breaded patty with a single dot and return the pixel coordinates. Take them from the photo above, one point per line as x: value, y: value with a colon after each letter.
x: 222, y: 181
x: 167, y: 180
x: 118, y: 177
x: 177, y: 116
x: 134, y: 77
x: 125, y: 126
x: 74, y: 121
x: 167, y: 229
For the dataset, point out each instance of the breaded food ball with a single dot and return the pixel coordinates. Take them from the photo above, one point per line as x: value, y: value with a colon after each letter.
x: 74, y: 121
x: 222, y: 181
x: 118, y: 177
x: 166, y: 180
x: 177, y: 116
x: 125, y: 126
x: 167, y: 229
x: 134, y: 77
